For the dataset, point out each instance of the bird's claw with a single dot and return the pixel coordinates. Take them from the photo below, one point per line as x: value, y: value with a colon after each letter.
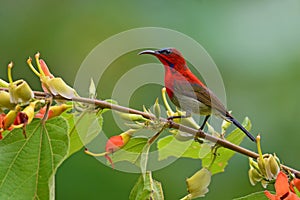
x: 196, y: 139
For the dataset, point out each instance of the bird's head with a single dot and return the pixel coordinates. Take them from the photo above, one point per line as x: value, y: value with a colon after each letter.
x: 169, y: 57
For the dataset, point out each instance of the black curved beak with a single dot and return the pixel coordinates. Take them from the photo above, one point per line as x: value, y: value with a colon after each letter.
x: 148, y: 52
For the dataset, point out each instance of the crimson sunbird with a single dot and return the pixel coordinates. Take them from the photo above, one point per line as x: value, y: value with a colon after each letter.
x: 187, y: 92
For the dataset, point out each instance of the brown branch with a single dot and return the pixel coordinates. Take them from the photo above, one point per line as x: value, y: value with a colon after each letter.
x: 201, y: 134
x: 224, y: 143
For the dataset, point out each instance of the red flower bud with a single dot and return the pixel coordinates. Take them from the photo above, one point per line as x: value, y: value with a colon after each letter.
x: 116, y: 142
x: 113, y: 144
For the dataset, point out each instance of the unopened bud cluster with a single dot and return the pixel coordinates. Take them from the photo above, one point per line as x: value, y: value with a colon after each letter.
x: 265, y: 169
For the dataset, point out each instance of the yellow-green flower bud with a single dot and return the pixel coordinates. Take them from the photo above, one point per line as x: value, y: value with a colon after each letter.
x: 127, y: 135
x: 264, y: 183
x: 29, y: 111
x: 254, y: 176
x: 20, y: 92
x: 57, y: 86
x: 198, y: 183
x: 51, y: 84
x: 267, y: 166
x: 131, y: 117
x: 92, y: 90
x: 135, y: 126
x: 253, y: 164
x: 5, y: 101
x: 10, y: 118
x: 261, y: 166
x: 272, y: 167
x: 157, y: 110
x: 3, y: 83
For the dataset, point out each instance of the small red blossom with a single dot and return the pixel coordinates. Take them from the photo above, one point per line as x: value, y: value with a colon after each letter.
x: 283, y: 191
x: 113, y: 144
x: 116, y: 142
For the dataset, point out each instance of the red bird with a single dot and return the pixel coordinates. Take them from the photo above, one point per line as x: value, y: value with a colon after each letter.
x: 187, y: 92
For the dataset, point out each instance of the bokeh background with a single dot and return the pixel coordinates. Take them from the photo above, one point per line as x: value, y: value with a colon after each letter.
x: 255, y: 44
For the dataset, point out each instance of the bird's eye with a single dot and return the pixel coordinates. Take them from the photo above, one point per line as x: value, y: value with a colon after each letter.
x: 165, y: 51
x: 168, y: 51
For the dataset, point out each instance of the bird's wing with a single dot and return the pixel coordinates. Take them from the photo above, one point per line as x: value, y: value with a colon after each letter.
x: 202, y: 94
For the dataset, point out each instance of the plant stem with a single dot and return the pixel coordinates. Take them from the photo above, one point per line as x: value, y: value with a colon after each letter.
x: 224, y: 143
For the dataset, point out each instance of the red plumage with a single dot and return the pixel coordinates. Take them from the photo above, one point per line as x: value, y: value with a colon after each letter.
x: 187, y: 92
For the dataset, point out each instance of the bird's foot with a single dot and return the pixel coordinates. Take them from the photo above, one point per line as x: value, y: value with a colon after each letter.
x: 197, y: 139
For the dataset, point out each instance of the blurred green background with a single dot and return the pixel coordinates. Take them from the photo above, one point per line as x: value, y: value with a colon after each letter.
x: 255, y: 44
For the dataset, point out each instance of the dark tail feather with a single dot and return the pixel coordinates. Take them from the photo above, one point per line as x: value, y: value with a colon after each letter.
x: 237, y: 124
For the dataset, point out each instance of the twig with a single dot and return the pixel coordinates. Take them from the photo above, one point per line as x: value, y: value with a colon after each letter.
x: 224, y: 143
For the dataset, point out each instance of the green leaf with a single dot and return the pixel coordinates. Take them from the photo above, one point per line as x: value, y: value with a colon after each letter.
x: 131, y: 151
x: 223, y: 154
x: 254, y: 196
x: 28, y: 165
x: 75, y: 141
x: 88, y: 126
x: 146, y: 188
x: 169, y: 146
